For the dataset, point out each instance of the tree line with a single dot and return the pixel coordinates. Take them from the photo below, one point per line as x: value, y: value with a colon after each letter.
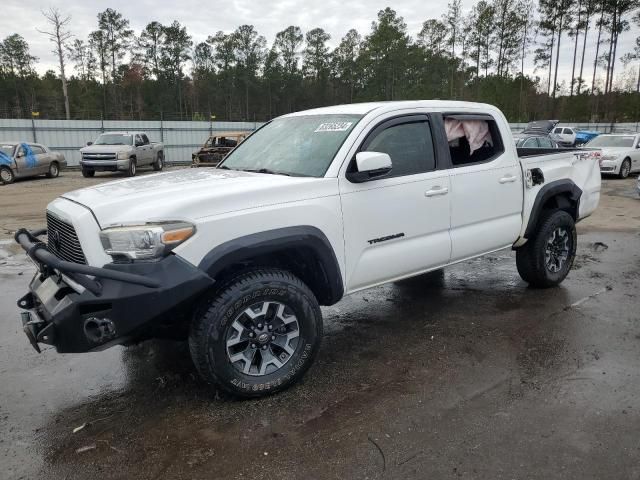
x: 117, y: 73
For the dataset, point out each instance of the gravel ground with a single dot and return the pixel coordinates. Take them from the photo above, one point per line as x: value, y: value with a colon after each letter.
x: 467, y: 374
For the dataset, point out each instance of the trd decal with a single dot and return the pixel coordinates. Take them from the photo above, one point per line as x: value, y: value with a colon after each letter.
x: 384, y: 239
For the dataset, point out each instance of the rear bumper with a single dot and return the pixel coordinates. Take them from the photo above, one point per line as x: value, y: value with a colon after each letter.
x: 78, y: 308
x: 105, y: 165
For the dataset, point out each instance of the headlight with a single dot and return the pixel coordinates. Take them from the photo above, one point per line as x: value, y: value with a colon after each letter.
x: 145, y: 241
x: 122, y: 155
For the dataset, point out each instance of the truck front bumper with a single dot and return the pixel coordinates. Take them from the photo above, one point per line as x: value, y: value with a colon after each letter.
x: 105, y: 165
x: 78, y: 308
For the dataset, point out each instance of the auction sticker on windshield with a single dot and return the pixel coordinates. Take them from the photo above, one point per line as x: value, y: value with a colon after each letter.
x: 334, y: 127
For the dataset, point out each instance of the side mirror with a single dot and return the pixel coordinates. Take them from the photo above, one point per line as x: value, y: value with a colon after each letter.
x: 371, y: 165
x: 89, y: 144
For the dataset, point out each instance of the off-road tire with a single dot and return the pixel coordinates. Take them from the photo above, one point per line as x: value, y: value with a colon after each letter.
x: 531, y: 257
x: 88, y: 173
x: 132, y: 169
x: 6, y: 176
x: 158, y: 165
x: 625, y: 169
x: 54, y: 170
x: 210, y: 328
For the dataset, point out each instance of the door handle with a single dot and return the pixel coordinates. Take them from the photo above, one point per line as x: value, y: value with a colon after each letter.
x: 508, y: 179
x: 435, y: 191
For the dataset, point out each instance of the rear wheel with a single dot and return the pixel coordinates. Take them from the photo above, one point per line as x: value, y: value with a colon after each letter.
x: 259, y: 335
x: 132, y: 169
x: 88, y: 173
x: 158, y: 165
x: 545, y: 260
x: 54, y: 170
x: 6, y: 175
x: 625, y: 168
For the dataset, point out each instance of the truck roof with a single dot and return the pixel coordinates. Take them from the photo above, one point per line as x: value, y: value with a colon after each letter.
x: 364, y: 108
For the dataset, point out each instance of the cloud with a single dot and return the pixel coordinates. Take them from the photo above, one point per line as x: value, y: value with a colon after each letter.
x: 268, y: 16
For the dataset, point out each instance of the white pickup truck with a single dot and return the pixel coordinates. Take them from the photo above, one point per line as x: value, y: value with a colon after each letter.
x: 311, y: 207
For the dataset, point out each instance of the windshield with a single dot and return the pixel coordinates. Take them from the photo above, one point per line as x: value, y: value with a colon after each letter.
x: 114, y: 139
x: 612, y: 141
x: 7, y: 149
x: 301, y: 146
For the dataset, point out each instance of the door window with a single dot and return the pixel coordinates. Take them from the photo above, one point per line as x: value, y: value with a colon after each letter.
x: 145, y: 139
x: 409, y: 145
x: 545, y: 142
x: 558, y: 131
x: 568, y: 131
x: 37, y: 150
x: 472, y: 139
x: 138, y: 140
x: 530, y: 143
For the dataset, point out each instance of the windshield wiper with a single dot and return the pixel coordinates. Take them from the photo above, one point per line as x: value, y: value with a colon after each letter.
x: 223, y: 167
x: 267, y: 171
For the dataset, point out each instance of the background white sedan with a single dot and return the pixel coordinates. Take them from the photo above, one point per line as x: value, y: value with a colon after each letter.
x: 620, y: 153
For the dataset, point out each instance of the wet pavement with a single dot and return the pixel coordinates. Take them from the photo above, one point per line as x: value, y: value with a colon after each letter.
x: 466, y: 374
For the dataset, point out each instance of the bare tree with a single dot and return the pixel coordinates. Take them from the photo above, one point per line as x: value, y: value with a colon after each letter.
x: 59, y: 35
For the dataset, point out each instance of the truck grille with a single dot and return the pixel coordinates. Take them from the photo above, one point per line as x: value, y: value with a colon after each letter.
x: 98, y: 156
x: 62, y: 240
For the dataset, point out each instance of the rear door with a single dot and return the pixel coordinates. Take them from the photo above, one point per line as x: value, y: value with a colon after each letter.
x: 148, y: 148
x: 397, y: 225
x: 141, y: 150
x: 486, y: 194
x: 42, y: 159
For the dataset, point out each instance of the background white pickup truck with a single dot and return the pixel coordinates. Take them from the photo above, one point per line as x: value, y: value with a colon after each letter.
x: 121, y: 151
x: 311, y: 207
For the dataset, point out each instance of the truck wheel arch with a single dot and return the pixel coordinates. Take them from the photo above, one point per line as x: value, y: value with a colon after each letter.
x: 303, y: 250
x: 560, y: 194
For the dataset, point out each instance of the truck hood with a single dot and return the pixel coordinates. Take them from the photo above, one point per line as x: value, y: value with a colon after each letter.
x: 105, y: 148
x: 191, y: 194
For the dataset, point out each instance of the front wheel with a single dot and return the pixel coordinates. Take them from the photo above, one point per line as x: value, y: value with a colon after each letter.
x: 625, y: 168
x: 545, y: 260
x: 132, y: 169
x: 88, y: 173
x: 259, y: 335
x: 6, y: 176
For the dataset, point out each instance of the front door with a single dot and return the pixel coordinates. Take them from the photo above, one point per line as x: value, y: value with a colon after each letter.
x: 397, y: 225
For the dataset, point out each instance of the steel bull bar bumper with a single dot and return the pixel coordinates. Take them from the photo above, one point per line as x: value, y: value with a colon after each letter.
x: 79, y: 308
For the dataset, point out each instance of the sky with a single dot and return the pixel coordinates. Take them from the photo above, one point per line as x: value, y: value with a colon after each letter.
x: 268, y: 16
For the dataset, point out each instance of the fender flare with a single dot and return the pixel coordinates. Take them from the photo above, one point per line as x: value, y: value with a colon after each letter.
x: 563, y: 187
x: 277, y: 240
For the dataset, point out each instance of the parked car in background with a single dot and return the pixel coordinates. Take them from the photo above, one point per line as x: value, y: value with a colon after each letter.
x: 216, y: 148
x: 121, y: 151
x: 638, y: 186
x: 620, y: 153
x: 565, y: 136
x: 21, y: 159
x: 535, y: 141
x: 584, y: 136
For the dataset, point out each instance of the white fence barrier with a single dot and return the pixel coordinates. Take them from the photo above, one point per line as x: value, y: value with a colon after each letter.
x: 180, y: 138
